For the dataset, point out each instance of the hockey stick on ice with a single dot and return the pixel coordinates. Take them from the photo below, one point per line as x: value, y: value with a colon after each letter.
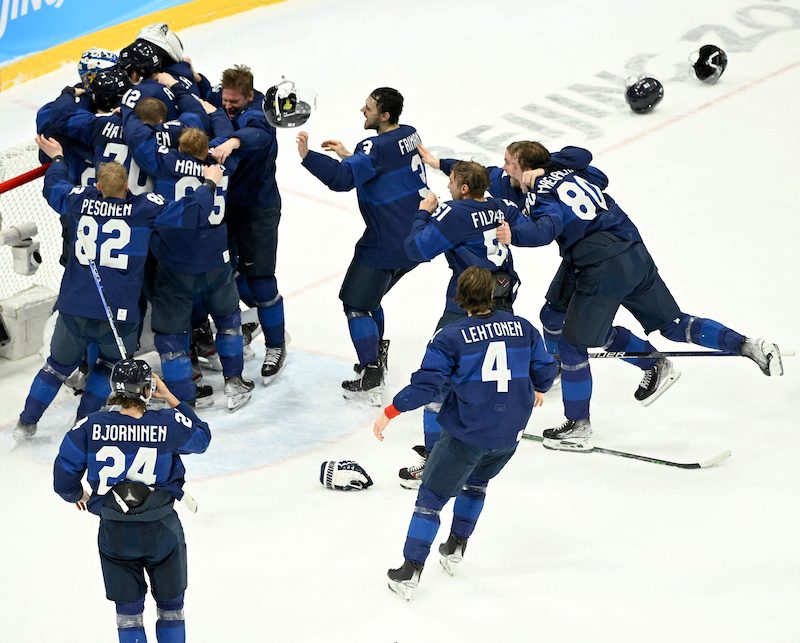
x: 656, y: 354
x: 702, y: 464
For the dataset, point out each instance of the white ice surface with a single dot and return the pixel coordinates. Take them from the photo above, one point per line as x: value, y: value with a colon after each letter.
x: 570, y: 547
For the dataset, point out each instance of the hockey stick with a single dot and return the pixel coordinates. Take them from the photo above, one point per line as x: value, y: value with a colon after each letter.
x: 109, y: 316
x: 656, y: 354
x: 702, y: 464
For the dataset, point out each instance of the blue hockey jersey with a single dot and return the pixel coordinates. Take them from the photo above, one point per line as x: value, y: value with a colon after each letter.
x: 574, y: 193
x: 176, y: 174
x: 115, y: 234
x: 111, y: 447
x: 465, y: 231
x: 493, y: 364
x: 389, y: 177
x: 253, y: 184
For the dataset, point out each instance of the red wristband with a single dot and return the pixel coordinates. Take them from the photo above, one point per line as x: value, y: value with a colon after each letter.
x: 391, y: 412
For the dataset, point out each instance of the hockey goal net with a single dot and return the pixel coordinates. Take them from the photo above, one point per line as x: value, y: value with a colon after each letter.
x: 21, y: 202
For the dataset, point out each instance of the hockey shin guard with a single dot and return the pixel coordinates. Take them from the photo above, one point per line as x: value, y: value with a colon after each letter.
x: 97, y: 388
x: 705, y: 332
x: 424, y: 525
x: 230, y: 343
x: 552, y: 321
x: 576, y: 380
x: 364, y: 333
x: 430, y: 425
x: 377, y: 316
x: 621, y: 339
x: 468, y: 507
x: 270, y: 308
x: 176, y: 364
x: 44, y: 388
x: 171, y: 626
x: 130, y: 622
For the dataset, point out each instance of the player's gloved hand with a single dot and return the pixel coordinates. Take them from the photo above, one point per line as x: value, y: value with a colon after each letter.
x: 344, y: 475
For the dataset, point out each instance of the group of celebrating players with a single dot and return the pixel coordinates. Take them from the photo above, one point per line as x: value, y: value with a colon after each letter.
x: 166, y: 188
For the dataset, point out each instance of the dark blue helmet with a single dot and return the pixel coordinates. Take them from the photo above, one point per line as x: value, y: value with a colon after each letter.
x: 130, y: 378
x: 644, y: 94
x: 710, y: 63
x: 141, y: 57
x: 108, y: 88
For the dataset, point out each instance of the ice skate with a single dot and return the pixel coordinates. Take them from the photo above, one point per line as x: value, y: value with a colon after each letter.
x: 766, y: 354
x: 273, y: 361
x: 383, y: 358
x: 24, y: 431
x: 367, y: 388
x: 404, y: 580
x: 203, y: 397
x: 249, y: 331
x: 238, y: 391
x: 204, y: 347
x: 657, y: 379
x: 411, y: 477
x: 451, y: 553
x: 573, y: 435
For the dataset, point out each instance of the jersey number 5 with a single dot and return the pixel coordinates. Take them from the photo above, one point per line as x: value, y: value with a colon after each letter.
x: 495, y: 366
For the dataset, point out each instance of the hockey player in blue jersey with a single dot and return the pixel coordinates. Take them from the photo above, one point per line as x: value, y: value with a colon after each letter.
x: 389, y: 177
x: 111, y: 229
x: 170, y: 50
x: 496, y: 369
x: 193, y: 265
x: 141, y: 62
x: 132, y: 461
x: 464, y: 229
x: 253, y: 208
x: 606, y: 265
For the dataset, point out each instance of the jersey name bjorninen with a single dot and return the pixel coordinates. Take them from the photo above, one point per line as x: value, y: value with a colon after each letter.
x: 494, y: 363
x: 115, y: 234
x: 111, y: 447
x: 389, y: 177
x: 466, y: 232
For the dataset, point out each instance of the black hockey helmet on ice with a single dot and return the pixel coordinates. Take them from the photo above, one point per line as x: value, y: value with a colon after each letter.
x: 108, y: 87
x: 130, y: 378
x: 288, y: 106
x: 709, y: 62
x: 140, y: 56
x: 644, y: 94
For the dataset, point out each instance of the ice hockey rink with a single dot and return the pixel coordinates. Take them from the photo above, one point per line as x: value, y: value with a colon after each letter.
x: 570, y: 547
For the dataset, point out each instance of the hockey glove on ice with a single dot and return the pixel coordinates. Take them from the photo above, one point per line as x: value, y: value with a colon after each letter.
x: 344, y: 475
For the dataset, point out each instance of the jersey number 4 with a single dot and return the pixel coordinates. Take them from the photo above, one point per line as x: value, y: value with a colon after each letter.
x: 495, y: 366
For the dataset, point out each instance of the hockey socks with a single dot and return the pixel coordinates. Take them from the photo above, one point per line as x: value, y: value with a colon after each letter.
x: 364, y: 334
x: 468, y: 507
x: 270, y: 308
x: 705, y: 332
x: 44, y: 388
x: 130, y: 622
x: 176, y: 364
x: 171, y: 626
x: 621, y: 339
x: 576, y: 380
x: 424, y: 525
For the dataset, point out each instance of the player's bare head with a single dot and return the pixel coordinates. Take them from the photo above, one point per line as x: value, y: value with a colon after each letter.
x: 237, y: 88
x: 474, y: 290
x: 468, y: 180
x: 529, y: 154
x: 151, y: 111
x: 194, y: 142
x: 389, y: 101
x: 112, y: 180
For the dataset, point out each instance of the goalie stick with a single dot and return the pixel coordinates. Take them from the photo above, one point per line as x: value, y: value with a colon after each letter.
x: 702, y: 464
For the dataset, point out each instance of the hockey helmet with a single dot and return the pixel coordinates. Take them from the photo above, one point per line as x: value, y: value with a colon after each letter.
x: 644, y: 94
x: 93, y: 60
x: 130, y: 378
x: 288, y: 106
x: 167, y: 41
x: 108, y: 88
x: 141, y: 57
x: 709, y: 62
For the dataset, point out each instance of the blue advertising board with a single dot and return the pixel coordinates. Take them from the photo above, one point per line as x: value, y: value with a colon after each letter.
x: 28, y: 26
